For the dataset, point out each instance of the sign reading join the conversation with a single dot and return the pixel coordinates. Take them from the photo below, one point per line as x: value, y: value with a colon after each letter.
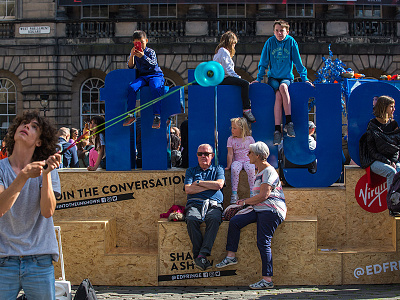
x: 34, y: 30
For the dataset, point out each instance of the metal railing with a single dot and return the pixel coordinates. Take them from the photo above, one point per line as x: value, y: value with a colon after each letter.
x: 7, y: 30
x: 216, y: 27
x: 90, y: 29
x: 381, y: 28
x: 161, y: 28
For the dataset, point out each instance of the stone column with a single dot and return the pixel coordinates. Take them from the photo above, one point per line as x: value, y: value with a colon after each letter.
x: 265, y: 12
x: 196, y: 27
x: 128, y: 16
x: 339, y: 27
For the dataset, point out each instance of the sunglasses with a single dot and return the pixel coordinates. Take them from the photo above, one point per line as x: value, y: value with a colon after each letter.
x: 204, y: 153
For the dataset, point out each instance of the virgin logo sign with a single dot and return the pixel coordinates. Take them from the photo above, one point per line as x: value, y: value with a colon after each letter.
x: 372, y: 198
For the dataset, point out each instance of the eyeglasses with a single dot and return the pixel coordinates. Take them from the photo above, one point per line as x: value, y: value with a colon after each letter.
x: 204, y: 153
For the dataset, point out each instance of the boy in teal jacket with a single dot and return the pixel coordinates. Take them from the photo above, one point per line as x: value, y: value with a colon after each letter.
x: 279, y: 54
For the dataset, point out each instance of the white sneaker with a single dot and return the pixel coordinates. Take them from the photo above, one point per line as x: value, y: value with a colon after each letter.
x: 234, y: 198
x: 262, y: 284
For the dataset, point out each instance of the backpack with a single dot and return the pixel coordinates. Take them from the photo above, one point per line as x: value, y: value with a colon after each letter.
x: 85, y: 291
x: 393, y: 196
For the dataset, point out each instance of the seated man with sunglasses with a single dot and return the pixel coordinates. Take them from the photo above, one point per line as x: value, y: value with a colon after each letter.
x: 203, y: 185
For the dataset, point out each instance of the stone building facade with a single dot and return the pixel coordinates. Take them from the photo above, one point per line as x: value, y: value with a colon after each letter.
x: 62, y: 52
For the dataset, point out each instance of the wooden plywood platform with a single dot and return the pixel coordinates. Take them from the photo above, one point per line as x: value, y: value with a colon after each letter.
x: 111, y: 233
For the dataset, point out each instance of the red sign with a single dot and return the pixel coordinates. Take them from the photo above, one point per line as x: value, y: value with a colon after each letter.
x: 372, y: 198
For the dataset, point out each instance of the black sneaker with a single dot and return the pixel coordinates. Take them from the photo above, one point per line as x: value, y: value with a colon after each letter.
x: 130, y: 119
x: 156, y: 122
x: 249, y: 116
x: 202, y: 263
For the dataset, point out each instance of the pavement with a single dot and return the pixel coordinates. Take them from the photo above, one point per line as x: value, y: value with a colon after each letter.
x: 382, y: 291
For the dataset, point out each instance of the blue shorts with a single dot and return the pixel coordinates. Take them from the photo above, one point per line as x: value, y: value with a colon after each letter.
x: 275, y: 83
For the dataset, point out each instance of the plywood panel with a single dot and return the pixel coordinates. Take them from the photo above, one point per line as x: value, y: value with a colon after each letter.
x: 84, y: 247
x: 364, y: 228
x: 148, y: 195
x: 295, y: 262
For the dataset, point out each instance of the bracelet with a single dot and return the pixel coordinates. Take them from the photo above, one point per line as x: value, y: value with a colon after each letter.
x: 244, y: 202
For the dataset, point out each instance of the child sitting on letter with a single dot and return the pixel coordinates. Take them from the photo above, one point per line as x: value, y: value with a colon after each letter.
x: 279, y: 54
x: 223, y: 54
x: 148, y: 73
x: 238, y: 149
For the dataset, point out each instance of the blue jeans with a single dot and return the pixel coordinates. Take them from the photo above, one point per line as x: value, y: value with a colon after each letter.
x: 34, y: 274
x: 267, y: 222
x: 156, y: 84
x: 275, y: 83
x: 385, y: 170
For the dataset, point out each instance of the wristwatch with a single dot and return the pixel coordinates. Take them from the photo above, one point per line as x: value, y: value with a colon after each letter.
x: 198, y: 182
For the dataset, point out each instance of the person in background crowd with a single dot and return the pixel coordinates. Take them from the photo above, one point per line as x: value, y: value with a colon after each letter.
x: 3, y: 150
x: 97, y: 126
x: 70, y: 157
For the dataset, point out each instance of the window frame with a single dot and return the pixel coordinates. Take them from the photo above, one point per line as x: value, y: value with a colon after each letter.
x: 98, y: 103
x: 10, y: 116
x: 160, y: 16
x: 91, y: 16
x: 296, y: 16
x: 367, y: 17
x: 236, y: 16
x: 6, y: 3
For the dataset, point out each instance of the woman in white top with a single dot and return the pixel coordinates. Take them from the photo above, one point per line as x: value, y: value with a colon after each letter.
x: 223, y: 54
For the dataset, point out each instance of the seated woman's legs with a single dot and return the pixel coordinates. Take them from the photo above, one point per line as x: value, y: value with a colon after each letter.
x: 267, y: 222
x: 384, y: 170
x: 235, y: 225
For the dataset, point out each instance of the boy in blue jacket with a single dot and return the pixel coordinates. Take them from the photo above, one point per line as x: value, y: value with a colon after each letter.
x: 279, y: 54
x: 148, y: 73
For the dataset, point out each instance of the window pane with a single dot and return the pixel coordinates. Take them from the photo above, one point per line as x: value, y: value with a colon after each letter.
x: 103, y: 11
x: 153, y: 10
x: 4, y: 121
x: 291, y: 9
x: 172, y: 10
x: 241, y: 12
x: 309, y: 10
x: 11, y: 109
x: 10, y: 9
x: 3, y: 96
x: 223, y: 10
x: 3, y: 109
x: 86, y: 11
x: 12, y: 97
x: 3, y: 9
x: 299, y: 10
x: 163, y: 10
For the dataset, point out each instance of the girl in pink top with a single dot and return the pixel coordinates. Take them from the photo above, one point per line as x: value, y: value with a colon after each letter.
x: 238, y: 148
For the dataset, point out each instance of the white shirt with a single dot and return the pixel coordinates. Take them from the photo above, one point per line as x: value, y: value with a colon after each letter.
x: 224, y: 58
